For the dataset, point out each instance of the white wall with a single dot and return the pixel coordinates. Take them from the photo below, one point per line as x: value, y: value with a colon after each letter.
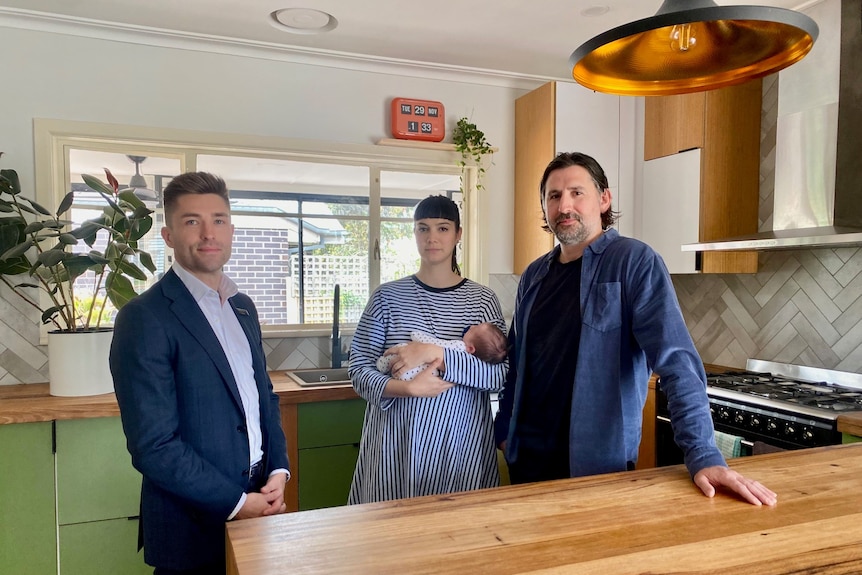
x: 76, y: 78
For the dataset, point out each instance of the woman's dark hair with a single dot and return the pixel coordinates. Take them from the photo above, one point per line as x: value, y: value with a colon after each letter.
x: 567, y: 160
x: 443, y: 208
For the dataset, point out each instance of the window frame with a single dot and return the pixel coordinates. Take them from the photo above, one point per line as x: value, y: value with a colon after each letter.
x: 54, y: 138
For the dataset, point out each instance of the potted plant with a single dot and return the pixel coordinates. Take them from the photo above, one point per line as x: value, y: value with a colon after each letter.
x: 38, y: 264
x: 470, y: 142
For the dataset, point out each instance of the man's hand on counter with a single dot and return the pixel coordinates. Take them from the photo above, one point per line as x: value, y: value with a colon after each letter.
x: 709, y: 478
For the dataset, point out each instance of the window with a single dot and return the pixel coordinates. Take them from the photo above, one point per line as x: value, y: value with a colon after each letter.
x: 305, y: 220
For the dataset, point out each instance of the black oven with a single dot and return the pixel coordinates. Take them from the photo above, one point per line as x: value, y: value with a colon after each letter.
x: 763, y: 429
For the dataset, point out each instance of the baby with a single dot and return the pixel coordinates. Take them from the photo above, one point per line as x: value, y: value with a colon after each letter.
x: 485, y: 340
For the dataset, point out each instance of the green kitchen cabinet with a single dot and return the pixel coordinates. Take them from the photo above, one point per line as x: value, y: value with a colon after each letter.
x: 98, y: 495
x: 328, y: 436
x: 102, y: 547
x: 847, y: 438
x: 27, y: 522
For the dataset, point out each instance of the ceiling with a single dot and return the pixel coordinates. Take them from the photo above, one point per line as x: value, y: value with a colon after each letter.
x: 518, y: 38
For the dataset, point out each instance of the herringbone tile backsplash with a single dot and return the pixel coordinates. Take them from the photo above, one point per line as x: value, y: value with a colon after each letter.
x: 801, y: 307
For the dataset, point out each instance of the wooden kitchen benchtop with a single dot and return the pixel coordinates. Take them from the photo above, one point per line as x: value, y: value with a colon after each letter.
x: 850, y: 423
x: 32, y: 402
x: 649, y: 521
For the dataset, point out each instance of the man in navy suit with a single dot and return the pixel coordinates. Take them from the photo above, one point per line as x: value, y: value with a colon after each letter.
x: 201, y: 419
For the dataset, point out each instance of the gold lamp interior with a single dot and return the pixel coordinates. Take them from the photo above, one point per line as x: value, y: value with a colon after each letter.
x: 693, y: 46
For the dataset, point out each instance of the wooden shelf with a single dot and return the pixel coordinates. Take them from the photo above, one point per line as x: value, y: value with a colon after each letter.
x: 438, y: 146
x: 419, y: 144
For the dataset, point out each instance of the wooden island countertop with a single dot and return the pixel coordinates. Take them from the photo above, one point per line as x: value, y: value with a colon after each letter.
x: 649, y: 521
x: 851, y: 423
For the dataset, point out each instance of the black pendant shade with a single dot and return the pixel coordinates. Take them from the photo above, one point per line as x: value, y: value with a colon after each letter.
x: 691, y: 46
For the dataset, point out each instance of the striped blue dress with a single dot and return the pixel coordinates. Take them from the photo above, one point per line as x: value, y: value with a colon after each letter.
x: 415, y: 446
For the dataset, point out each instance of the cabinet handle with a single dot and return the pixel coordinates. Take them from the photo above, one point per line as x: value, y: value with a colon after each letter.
x: 377, y: 249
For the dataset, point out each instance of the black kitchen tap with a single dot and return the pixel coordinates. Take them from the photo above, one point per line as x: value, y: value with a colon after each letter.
x: 336, y: 336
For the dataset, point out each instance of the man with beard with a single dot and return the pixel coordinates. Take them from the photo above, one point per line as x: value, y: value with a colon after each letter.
x: 594, y: 318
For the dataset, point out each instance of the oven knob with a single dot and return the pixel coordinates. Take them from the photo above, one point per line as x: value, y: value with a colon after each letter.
x: 808, y: 435
x: 740, y: 418
x: 723, y: 414
x: 754, y: 421
x: 771, y: 426
x: 789, y: 430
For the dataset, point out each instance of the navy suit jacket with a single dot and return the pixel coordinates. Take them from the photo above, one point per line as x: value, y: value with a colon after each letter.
x: 184, y: 420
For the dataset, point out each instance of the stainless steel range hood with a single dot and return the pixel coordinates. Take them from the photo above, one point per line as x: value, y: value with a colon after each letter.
x: 818, y: 171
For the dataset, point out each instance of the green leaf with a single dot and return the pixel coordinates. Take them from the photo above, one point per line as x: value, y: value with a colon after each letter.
x: 141, y: 212
x: 112, y: 252
x: 12, y: 184
x: 76, y: 266
x: 49, y: 313
x: 140, y: 229
x: 66, y: 203
x: 147, y: 261
x: 97, y: 184
x: 130, y: 269
x: 14, y: 267
x: 120, y: 290
x: 87, y: 232
x: 98, y: 258
x: 113, y: 204
x: 34, y: 227
x: 68, y: 239
x: 17, y: 251
x: 37, y: 206
x: 52, y: 257
x: 11, y: 234
x: 134, y: 201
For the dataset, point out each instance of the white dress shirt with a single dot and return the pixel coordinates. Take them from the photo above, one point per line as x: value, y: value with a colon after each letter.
x: 221, y: 317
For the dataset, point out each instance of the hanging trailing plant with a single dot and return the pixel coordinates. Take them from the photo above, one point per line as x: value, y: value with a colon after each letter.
x: 470, y: 142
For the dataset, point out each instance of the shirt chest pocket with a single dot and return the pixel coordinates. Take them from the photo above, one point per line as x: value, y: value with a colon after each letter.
x: 604, y: 310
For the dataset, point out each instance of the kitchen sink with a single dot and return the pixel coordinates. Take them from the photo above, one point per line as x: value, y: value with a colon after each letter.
x: 322, y: 376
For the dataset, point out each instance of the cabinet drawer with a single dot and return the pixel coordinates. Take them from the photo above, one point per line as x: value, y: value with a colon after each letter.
x: 95, y: 477
x: 28, y: 538
x: 102, y: 548
x: 328, y: 423
x: 325, y: 476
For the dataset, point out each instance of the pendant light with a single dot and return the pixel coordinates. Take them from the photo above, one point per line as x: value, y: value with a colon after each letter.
x: 139, y: 183
x: 691, y: 46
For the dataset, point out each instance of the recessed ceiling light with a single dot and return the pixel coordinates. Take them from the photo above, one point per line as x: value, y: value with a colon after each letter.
x: 594, y: 11
x: 303, y: 21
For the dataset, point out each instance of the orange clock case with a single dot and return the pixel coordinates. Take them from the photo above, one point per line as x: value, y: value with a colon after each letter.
x: 418, y: 120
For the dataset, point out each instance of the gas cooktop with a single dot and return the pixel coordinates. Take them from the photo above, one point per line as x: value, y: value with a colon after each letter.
x: 812, y: 391
x: 820, y: 395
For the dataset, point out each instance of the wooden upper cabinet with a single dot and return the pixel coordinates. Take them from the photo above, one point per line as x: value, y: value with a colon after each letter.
x: 725, y: 124
x: 673, y: 124
x: 535, y: 146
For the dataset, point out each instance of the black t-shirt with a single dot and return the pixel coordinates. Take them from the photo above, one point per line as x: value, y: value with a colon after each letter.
x: 554, y: 332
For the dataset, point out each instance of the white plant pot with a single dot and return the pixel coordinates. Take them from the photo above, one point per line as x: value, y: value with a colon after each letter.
x: 78, y: 363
